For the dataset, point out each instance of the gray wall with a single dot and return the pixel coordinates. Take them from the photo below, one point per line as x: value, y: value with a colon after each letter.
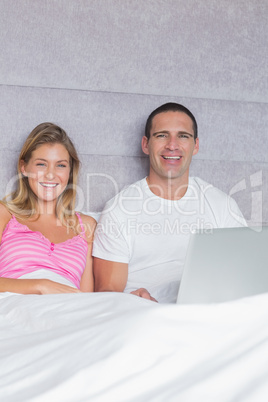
x: 99, y: 67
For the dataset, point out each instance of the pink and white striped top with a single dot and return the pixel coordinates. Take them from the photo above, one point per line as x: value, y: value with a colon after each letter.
x: 23, y: 251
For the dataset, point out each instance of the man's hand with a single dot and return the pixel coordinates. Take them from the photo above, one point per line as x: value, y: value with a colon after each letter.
x: 143, y: 293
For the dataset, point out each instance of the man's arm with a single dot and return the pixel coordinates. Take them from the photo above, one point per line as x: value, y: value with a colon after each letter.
x: 111, y: 242
x: 111, y: 276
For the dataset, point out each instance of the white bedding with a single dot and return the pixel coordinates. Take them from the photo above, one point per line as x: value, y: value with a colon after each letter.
x: 118, y: 347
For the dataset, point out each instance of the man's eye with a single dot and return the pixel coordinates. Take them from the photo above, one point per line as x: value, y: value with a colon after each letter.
x: 161, y: 136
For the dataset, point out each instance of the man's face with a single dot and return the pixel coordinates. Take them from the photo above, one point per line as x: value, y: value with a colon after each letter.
x: 171, y: 145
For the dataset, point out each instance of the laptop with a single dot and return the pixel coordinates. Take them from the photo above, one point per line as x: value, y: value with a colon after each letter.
x: 225, y: 264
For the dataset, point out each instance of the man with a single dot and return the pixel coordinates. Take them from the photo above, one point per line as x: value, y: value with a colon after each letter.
x: 143, y: 233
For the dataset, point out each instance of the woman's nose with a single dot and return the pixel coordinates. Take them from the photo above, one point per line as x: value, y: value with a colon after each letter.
x: 50, y: 174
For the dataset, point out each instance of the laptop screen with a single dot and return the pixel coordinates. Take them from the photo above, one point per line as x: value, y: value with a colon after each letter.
x: 225, y: 264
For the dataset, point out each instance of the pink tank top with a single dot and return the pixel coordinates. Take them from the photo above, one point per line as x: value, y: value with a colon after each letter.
x: 23, y: 251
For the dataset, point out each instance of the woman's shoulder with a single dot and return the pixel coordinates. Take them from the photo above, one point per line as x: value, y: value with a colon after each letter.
x: 89, y: 224
x: 87, y: 218
x: 4, y: 212
x: 5, y: 217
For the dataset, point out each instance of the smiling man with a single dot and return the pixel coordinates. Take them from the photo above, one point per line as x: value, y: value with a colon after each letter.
x: 143, y: 233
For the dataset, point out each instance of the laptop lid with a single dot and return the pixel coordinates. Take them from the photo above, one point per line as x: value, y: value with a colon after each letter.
x: 225, y: 264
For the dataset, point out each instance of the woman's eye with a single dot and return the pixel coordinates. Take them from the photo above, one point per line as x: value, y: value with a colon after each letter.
x: 40, y: 164
x: 61, y: 165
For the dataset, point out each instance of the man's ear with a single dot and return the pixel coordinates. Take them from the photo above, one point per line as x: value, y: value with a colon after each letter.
x: 196, y: 147
x: 144, y: 145
x: 22, y: 168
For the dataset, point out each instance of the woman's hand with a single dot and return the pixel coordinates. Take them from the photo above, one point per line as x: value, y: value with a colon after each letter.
x: 46, y: 286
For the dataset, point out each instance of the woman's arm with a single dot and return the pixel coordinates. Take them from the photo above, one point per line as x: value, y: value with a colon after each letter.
x: 34, y: 286
x: 87, y: 280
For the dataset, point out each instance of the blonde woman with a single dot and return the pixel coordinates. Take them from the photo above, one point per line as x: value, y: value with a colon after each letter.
x: 45, y: 245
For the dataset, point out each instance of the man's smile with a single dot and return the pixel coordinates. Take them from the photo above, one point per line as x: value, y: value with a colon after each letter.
x: 171, y: 157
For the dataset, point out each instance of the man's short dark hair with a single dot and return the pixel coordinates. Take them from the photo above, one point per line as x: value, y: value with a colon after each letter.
x: 170, y: 107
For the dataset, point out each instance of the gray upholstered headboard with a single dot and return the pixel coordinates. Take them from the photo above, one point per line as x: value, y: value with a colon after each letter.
x: 98, y: 68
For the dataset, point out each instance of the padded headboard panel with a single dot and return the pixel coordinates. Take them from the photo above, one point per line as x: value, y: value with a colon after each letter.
x: 99, y: 67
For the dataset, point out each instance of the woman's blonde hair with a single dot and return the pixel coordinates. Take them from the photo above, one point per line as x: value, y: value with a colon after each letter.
x: 22, y: 202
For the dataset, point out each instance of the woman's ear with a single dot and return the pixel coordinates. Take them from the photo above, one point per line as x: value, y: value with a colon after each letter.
x: 22, y: 168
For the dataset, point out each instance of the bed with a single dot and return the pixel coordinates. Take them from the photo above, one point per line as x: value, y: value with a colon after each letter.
x: 98, y: 69
x: 118, y: 347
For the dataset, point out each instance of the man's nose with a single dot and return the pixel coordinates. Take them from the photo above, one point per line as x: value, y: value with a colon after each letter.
x: 172, y: 143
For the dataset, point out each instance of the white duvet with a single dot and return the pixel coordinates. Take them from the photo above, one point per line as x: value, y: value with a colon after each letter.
x: 118, y: 347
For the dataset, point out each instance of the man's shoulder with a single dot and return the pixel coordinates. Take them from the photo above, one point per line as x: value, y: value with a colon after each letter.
x: 123, y: 202
x: 207, y: 189
x: 131, y: 190
x: 221, y: 204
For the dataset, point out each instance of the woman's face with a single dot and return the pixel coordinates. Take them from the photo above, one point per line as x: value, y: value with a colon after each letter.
x: 48, y: 171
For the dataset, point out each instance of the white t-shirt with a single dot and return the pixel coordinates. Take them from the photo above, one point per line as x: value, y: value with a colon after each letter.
x: 151, y: 234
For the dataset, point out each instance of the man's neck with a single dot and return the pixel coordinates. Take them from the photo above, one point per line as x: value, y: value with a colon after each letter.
x: 168, y: 188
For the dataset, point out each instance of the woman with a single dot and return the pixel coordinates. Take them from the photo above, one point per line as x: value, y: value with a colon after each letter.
x: 45, y: 245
